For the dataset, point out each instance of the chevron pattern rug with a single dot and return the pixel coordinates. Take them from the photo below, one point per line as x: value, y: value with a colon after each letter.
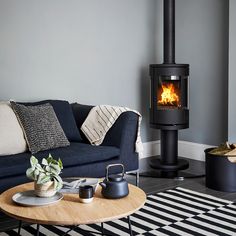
x: 173, y: 212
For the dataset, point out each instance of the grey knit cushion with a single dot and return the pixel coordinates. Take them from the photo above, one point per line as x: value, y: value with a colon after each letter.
x: 41, y: 127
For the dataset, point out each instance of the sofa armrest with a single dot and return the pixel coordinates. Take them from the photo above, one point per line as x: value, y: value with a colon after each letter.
x: 123, y: 132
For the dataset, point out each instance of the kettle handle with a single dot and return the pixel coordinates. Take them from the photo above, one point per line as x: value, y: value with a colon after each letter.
x: 112, y: 165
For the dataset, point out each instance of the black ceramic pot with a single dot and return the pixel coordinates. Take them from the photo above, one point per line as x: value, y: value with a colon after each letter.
x: 220, y: 172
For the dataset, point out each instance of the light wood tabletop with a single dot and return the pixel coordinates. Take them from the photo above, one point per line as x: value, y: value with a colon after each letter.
x: 69, y: 211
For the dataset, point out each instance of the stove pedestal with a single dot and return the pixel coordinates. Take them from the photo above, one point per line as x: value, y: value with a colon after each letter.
x: 168, y: 160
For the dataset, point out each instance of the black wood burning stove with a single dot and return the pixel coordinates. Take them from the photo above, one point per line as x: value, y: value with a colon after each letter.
x: 169, y: 108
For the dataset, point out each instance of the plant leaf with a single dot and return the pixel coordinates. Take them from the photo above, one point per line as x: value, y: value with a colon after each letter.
x: 36, y: 173
x: 30, y: 173
x: 39, y: 167
x: 57, y: 183
x: 60, y: 163
x: 54, y: 172
x: 49, y: 159
x: 58, y: 178
x: 44, y: 179
x: 56, y: 167
x: 40, y: 177
x: 59, y: 186
x: 44, y: 162
x: 33, y: 161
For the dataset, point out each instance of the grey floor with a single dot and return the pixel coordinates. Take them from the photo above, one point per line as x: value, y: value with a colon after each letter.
x: 154, y: 185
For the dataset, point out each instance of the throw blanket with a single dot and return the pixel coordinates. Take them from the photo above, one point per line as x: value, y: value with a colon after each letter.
x: 101, y: 118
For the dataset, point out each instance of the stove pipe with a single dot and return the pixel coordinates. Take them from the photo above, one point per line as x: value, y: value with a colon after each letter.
x: 169, y: 32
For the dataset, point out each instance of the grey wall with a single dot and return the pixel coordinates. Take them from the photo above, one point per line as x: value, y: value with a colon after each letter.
x: 98, y: 51
x: 202, y: 41
x: 232, y: 71
x: 93, y: 52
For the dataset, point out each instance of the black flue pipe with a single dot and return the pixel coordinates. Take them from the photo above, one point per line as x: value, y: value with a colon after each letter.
x: 169, y: 138
x: 169, y: 31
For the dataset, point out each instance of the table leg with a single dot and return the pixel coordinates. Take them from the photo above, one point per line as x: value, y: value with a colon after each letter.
x: 137, y: 178
x: 19, y: 227
x: 102, y: 228
x: 130, y: 229
x: 37, y: 232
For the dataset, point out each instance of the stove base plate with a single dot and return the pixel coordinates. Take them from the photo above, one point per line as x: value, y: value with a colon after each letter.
x: 180, y: 165
x: 177, y: 175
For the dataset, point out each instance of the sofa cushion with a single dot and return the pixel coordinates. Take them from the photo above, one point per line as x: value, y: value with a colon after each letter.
x: 41, y: 127
x: 65, y: 116
x: 11, y: 135
x: 74, y: 155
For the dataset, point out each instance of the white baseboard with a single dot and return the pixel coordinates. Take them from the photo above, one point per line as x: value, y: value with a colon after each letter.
x: 189, y: 150
x: 151, y: 148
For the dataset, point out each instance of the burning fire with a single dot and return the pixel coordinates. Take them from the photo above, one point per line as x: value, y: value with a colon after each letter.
x: 168, y: 96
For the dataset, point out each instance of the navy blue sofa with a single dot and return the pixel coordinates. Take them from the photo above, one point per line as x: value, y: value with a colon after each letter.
x: 81, y: 158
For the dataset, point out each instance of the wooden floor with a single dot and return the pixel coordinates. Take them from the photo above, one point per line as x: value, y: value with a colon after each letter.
x: 154, y: 185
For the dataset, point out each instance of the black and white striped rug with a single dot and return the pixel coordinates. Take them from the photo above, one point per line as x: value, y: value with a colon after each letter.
x: 177, y: 211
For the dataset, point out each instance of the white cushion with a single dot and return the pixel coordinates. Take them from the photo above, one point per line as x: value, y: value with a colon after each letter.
x: 11, y: 135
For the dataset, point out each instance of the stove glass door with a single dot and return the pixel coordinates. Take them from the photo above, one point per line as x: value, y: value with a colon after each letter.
x: 172, y: 92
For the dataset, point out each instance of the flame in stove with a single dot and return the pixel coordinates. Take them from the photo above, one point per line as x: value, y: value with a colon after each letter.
x: 168, y: 96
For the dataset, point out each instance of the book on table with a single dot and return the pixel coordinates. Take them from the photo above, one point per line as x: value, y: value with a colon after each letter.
x: 71, y: 185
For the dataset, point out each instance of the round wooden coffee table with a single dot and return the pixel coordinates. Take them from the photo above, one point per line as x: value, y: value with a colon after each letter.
x: 70, y: 212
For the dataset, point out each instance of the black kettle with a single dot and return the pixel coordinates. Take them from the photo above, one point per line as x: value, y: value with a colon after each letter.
x: 114, y: 186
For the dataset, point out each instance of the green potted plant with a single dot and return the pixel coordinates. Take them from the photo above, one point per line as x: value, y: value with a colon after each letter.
x: 46, y: 176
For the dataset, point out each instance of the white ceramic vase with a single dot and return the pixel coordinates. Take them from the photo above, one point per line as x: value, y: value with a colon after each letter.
x: 45, y: 190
